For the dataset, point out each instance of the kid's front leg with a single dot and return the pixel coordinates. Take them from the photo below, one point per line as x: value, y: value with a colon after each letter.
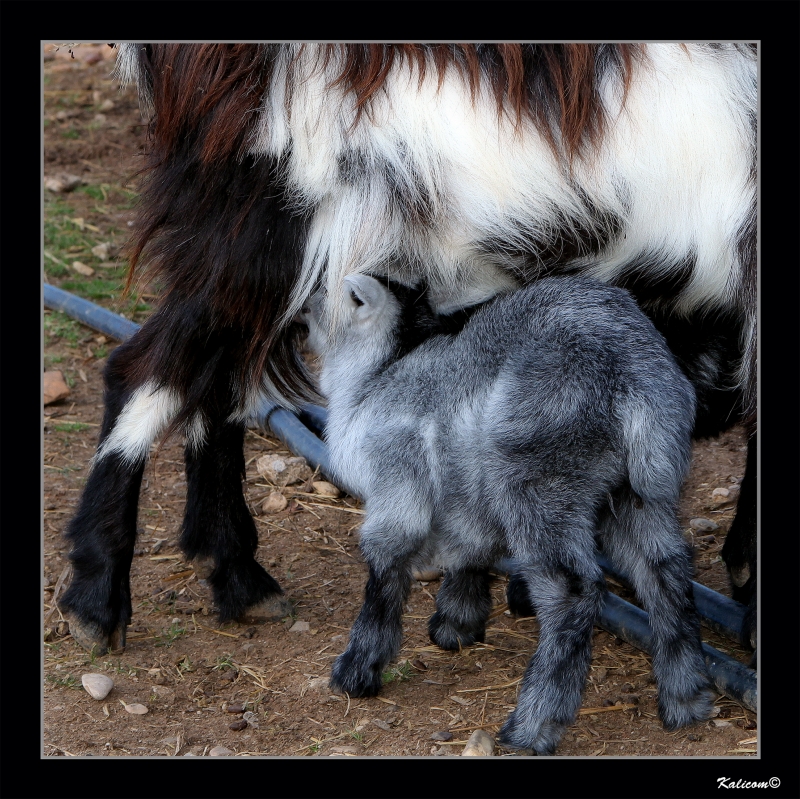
x: 376, y: 635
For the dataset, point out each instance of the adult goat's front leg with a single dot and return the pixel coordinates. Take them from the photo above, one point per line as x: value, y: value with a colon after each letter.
x: 102, y: 533
x: 218, y: 527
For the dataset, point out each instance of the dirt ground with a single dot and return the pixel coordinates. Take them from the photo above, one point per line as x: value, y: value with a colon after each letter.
x: 258, y: 688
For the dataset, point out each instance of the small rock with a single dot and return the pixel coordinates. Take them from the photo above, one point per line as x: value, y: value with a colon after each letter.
x: 220, y: 751
x: 136, y: 709
x: 251, y: 719
x: 345, y: 750
x: 163, y: 693
x: 103, y: 251
x: 106, y: 105
x: 55, y: 387
x: 326, y: 489
x: 300, y: 627
x: 275, y: 502
x: 235, y: 707
x: 721, y: 723
x: 427, y: 575
x: 693, y: 737
x: 283, y: 471
x: 97, y: 686
x: 82, y: 269
x: 318, y: 684
x: 157, y: 676
x: 599, y: 674
x: 480, y: 744
x: 703, y: 525
x: 442, y: 735
x: 62, y: 182
x: 381, y: 725
x: 236, y: 726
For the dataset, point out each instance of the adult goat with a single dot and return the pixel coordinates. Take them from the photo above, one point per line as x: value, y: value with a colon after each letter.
x: 277, y: 168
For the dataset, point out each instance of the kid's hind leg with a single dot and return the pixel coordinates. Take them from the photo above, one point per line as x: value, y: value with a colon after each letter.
x: 462, y: 607
x: 568, y: 600
x: 643, y: 539
x: 218, y: 526
x: 97, y: 602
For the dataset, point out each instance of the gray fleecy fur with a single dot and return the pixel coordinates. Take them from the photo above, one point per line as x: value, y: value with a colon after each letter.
x: 557, y: 414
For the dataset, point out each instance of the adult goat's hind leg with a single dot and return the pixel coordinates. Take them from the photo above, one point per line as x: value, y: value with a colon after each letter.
x: 740, y: 551
x: 97, y: 602
x: 218, y: 526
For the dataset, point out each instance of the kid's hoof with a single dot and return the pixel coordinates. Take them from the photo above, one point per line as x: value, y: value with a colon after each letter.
x: 91, y: 637
x: 272, y: 608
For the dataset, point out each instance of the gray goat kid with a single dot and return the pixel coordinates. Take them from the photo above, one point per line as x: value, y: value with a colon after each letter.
x: 529, y: 427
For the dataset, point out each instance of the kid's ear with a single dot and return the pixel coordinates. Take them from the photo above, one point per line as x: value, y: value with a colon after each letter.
x: 367, y: 293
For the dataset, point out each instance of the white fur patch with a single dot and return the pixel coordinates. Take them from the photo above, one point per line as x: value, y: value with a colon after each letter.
x: 143, y: 419
x: 674, y: 168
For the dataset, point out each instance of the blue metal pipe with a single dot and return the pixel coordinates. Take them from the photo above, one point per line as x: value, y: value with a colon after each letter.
x: 730, y: 677
x: 719, y: 613
x: 619, y: 617
x: 90, y: 314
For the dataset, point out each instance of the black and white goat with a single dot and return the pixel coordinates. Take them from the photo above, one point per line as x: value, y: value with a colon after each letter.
x: 554, y: 416
x: 276, y: 168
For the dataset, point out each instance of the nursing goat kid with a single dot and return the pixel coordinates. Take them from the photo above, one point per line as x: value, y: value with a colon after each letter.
x: 554, y: 416
x: 276, y: 168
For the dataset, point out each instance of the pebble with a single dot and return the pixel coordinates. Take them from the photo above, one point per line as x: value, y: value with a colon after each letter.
x: 241, y: 724
x: 62, y: 182
x: 345, y: 750
x: 220, y: 751
x: 704, y: 525
x: 382, y: 725
x: 480, y: 744
x: 97, y: 686
x: 325, y: 489
x: 442, y: 735
x: 55, y: 387
x: 283, y: 471
x: 427, y: 575
x: 82, y: 269
x: 300, y: 627
x: 251, y: 719
x: 235, y: 707
x: 275, y: 502
x: 136, y: 709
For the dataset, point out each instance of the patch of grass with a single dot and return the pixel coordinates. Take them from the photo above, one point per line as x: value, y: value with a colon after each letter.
x: 58, y: 325
x: 67, y: 681
x: 70, y: 427
x: 70, y: 133
x: 118, y: 668
x: 399, y: 673
x: 94, y: 191
x: 170, y: 636
x: 224, y: 662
